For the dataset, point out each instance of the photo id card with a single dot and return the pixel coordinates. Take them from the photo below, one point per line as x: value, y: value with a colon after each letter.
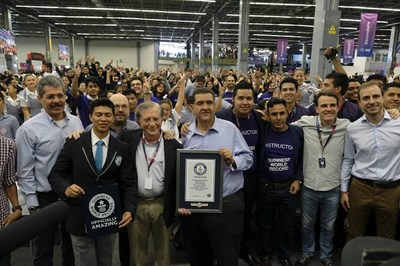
x: 321, y: 162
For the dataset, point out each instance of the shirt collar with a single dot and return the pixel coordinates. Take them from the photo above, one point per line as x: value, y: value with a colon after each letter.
x: 66, y: 118
x: 216, y: 126
x: 90, y: 97
x: 28, y: 92
x: 95, y: 139
x: 145, y: 141
x: 386, y: 116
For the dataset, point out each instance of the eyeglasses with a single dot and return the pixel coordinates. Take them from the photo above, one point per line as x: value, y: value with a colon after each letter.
x: 123, y: 107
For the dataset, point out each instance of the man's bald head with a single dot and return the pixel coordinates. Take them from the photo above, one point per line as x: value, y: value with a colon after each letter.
x: 121, y: 105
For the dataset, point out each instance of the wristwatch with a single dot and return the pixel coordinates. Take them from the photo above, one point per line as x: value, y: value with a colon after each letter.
x: 33, y: 209
x: 15, y: 208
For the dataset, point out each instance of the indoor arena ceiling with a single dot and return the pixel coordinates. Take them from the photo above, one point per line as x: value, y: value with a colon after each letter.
x: 178, y: 20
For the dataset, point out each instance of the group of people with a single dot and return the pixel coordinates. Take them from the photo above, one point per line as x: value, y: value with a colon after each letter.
x: 316, y: 146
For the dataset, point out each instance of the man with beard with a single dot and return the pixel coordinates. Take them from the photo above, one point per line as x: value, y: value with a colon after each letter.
x: 121, y: 122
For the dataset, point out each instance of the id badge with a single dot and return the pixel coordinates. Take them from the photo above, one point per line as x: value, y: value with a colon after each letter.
x: 321, y: 162
x: 148, y: 183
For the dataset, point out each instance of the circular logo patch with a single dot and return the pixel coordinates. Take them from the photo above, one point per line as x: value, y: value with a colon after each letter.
x: 101, y: 205
x: 200, y: 168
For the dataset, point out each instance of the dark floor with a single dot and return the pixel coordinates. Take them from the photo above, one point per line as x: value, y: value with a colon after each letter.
x: 22, y: 256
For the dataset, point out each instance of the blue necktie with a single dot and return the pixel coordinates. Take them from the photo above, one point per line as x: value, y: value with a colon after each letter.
x: 98, y: 158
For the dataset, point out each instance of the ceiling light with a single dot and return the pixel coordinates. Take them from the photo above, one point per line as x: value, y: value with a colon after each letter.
x: 113, y: 9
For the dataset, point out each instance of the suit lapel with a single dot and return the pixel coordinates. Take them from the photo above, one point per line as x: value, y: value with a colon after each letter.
x: 88, y: 151
x: 169, y: 162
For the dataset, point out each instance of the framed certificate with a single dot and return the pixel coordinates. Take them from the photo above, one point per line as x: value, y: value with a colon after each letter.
x: 199, y: 180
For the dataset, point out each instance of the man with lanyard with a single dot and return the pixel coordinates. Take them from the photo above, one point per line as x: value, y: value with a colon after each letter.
x: 39, y: 141
x: 371, y: 163
x: 208, y: 236
x: 250, y: 125
x: 282, y: 165
x: 323, y: 150
x: 155, y: 158
x: 288, y: 91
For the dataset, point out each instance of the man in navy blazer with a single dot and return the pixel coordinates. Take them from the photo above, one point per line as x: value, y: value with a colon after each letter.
x: 155, y: 160
x: 77, y: 169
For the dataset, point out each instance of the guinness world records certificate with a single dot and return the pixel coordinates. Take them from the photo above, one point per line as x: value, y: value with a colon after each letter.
x: 200, y: 180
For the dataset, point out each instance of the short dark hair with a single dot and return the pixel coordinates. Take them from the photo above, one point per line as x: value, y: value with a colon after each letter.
x: 101, y: 102
x: 275, y: 101
x: 233, y: 75
x: 49, y: 65
x: 201, y: 91
x: 9, y: 80
x: 339, y: 79
x: 390, y: 85
x: 367, y: 85
x: 92, y: 79
x: 127, y: 92
x: 325, y: 93
x: 289, y: 80
x: 354, y: 80
x: 190, y: 100
x: 166, y: 101
x: 135, y: 78
x: 378, y: 77
x: 200, y: 78
x: 242, y: 85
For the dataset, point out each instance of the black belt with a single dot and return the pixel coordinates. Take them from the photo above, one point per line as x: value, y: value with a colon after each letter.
x: 381, y: 184
x: 277, y: 185
x: 151, y: 199
x: 232, y: 196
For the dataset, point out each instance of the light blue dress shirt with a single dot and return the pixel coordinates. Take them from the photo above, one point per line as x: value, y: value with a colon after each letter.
x: 39, y: 141
x: 372, y: 151
x: 223, y: 134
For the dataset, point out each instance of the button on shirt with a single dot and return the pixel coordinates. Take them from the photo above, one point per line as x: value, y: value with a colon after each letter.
x: 372, y: 151
x: 328, y: 178
x: 157, y: 168
x: 223, y: 134
x: 39, y: 141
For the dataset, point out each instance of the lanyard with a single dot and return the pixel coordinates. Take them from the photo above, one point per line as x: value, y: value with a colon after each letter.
x: 320, y: 138
x: 237, y: 120
x: 153, y: 158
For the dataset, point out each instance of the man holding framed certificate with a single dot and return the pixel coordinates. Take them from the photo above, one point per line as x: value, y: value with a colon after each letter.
x: 89, y: 174
x: 216, y: 235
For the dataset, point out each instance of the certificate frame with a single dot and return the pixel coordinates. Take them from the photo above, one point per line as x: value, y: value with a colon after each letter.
x: 199, y: 180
